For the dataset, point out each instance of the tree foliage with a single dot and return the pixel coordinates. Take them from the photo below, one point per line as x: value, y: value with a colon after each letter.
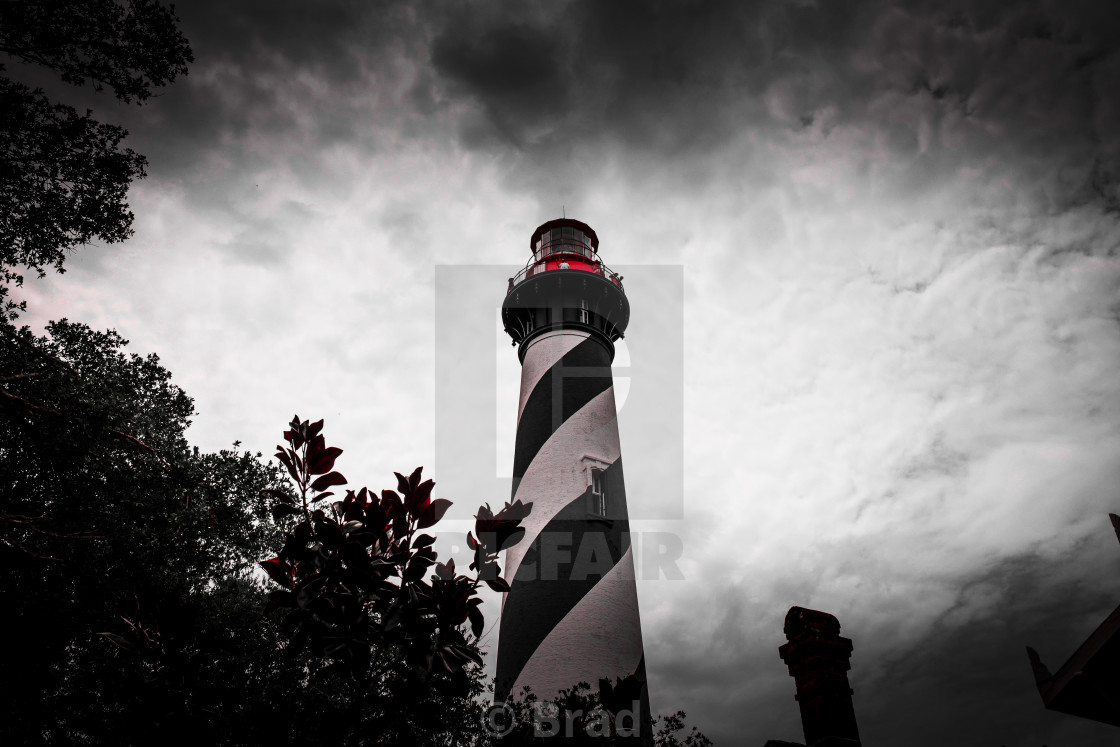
x: 64, y: 176
x: 110, y: 522
x: 131, y: 47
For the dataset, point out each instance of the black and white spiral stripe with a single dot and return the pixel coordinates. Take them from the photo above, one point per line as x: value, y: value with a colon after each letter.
x: 571, y: 614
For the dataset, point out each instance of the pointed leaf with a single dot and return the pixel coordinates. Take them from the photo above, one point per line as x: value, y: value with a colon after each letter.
x: 511, y: 539
x: 418, y: 500
x: 477, y: 621
x: 433, y: 513
x: 327, y: 480
x: 287, y: 462
x: 280, y: 510
x: 278, y: 571
x: 323, y: 461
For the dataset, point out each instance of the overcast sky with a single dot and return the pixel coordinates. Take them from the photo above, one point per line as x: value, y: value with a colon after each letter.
x: 897, y: 227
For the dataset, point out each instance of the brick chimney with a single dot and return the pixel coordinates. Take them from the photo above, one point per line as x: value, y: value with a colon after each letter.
x: 818, y: 660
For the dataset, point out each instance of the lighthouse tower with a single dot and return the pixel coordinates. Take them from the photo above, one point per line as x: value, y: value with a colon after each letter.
x: 571, y: 614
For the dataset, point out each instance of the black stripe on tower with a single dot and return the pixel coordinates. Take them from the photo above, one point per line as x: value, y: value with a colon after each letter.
x: 572, y: 553
x: 582, y: 374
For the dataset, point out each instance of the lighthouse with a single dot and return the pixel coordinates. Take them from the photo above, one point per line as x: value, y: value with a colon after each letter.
x: 571, y: 614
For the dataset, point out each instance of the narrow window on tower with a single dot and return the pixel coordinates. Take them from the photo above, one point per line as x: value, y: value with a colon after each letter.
x: 583, y: 312
x: 598, y: 492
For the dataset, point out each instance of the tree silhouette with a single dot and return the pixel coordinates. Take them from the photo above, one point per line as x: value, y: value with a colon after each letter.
x: 107, y: 513
x: 63, y: 175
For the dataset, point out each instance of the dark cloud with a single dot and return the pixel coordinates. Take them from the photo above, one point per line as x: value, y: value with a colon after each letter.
x: 672, y: 80
x: 1022, y: 90
x: 307, y: 76
x: 1025, y: 86
x: 624, y: 70
x: 504, y: 60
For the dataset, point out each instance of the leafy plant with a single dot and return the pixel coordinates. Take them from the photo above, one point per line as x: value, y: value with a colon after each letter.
x: 354, y: 581
x: 108, y: 513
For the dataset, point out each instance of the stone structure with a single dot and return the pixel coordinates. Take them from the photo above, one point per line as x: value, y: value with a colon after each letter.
x: 818, y: 660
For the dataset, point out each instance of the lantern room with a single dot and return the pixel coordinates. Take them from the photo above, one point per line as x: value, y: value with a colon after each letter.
x: 566, y: 241
x: 565, y: 285
x: 564, y: 244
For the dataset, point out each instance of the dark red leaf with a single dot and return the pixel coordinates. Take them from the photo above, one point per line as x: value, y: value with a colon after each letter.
x: 433, y: 513
x: 508, y: 539
x: 497, y: 584
x: 515, y: 511
x: 286, y: 460
x: 472, y: 543
x: 327, y: 480
x: 280, y: 510
x: 417, y: 567
x: 278, y: 571
x: 314, y: 429
x: 323, y: 461
x: 390, y: 503
x: 446, y: 572
x: 402, y: 483
x: 501, y: 531
x: 477, y: 621
x: 293, y: 436
x: 418, y: 500
x: 330, y: 533
x: 314, y: 446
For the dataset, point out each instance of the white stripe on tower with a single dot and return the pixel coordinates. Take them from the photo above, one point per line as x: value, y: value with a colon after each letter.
x: 603, y: 628
x: 547, y: 349
x: 571, y: 614
x: 593, y: 431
